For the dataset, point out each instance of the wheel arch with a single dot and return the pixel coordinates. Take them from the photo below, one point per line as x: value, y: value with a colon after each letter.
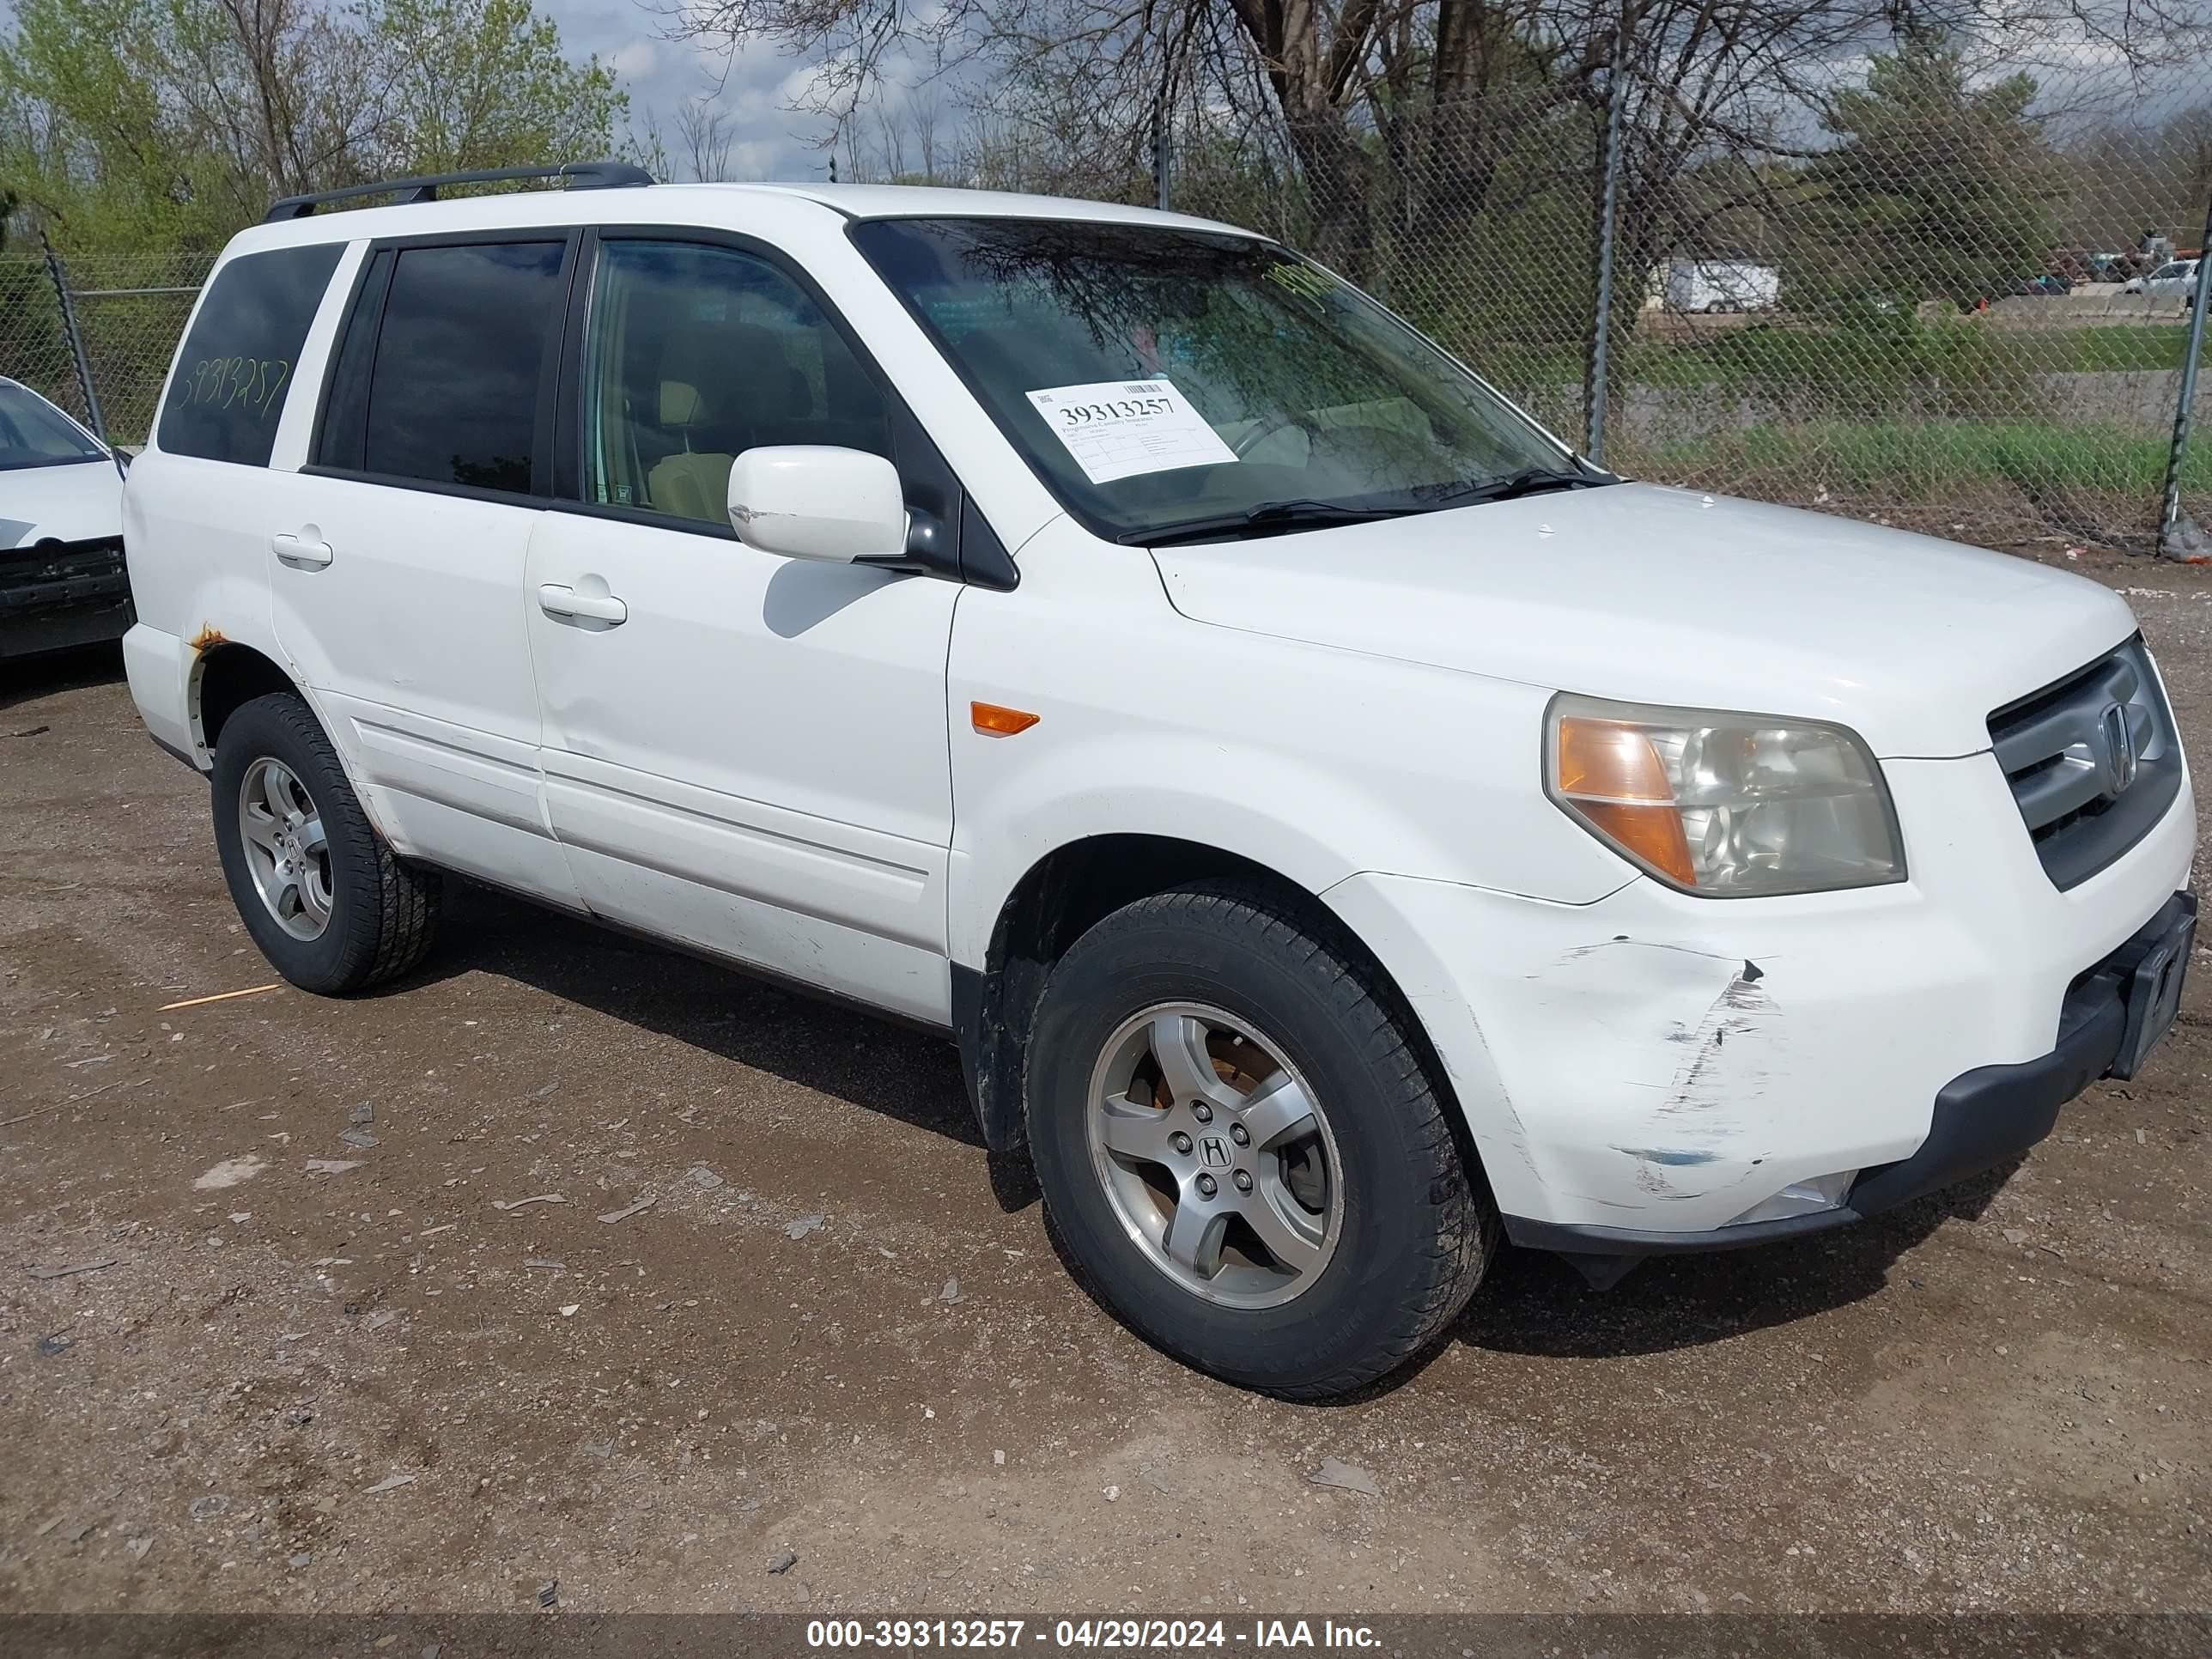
x: 225, y: 677
x: 1078, y: 883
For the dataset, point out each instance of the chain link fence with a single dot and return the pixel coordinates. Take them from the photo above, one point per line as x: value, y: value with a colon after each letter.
x: 128, y: 311
x: 34, y: 345
x: 1950, y: 291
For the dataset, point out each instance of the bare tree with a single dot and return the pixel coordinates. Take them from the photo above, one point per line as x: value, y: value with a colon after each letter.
x: 705, y: 137
x: 1400, y: 138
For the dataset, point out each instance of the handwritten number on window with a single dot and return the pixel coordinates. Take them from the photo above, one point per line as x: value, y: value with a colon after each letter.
x: 253, y: 384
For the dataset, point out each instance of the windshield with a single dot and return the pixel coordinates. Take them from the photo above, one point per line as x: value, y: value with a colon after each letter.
x: 33, y: 433
x: 1158, y: 378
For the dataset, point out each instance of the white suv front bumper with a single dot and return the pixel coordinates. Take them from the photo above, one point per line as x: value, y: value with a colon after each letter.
x: 1639, y: 1072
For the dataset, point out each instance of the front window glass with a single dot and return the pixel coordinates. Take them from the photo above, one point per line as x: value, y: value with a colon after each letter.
x: 33, y: 433
x: 696, y: 353
x: 1162, y: 380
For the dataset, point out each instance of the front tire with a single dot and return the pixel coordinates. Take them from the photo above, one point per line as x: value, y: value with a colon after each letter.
x: 330, y: 905
x: 1239, y: 1143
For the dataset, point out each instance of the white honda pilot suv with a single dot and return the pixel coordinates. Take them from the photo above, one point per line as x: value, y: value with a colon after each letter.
x: 1341, y: 828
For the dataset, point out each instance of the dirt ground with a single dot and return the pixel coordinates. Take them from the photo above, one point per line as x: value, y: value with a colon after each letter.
x: 840, y: 1330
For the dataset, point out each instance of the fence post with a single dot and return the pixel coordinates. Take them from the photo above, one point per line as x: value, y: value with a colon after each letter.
x: 1162, y: 154
x: 1595, y: 366
x: 60, y: 277
x: 2178, y: 535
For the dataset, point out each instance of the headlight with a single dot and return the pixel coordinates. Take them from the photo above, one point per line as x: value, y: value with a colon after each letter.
x: 1720, y: 804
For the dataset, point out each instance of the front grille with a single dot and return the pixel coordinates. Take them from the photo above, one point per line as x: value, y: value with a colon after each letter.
x: 54, y: 573
x: 2093, y: 761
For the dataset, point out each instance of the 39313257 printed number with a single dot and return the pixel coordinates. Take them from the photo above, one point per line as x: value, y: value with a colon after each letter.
x: 826, y: 1634
x: 1122, y: 428
x: 1108, y: 1635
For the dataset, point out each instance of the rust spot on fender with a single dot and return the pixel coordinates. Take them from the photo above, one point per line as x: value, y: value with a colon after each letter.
x: 207, y: 638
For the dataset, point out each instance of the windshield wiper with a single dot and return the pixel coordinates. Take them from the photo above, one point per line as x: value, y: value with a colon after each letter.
x: 1269, y: 516
x: 1528, y: 481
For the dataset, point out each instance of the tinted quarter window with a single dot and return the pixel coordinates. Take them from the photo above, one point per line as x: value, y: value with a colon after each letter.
x: 242, y: 354
x: 466, y: 346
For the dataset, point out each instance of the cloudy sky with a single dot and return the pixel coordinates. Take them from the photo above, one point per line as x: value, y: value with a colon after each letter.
x: 756, y: 88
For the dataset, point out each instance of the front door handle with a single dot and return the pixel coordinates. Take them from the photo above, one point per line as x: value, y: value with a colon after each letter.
x: 555, y: 600
x: 305, y: 551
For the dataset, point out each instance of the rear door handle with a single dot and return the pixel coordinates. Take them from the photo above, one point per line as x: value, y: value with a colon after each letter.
x: 555, y: 600
x: 305, y: 552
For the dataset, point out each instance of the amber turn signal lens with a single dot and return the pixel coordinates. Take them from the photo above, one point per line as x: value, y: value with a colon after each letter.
x: 996, y: 721
x: 1604, y: 760
x: 1609, y: 773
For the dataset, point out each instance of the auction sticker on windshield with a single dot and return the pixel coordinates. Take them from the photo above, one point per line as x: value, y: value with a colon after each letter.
x: 1119, y: 429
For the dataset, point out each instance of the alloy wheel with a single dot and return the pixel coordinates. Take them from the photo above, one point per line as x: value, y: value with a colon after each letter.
x: 1215, y: 1155
x: 286, y: 848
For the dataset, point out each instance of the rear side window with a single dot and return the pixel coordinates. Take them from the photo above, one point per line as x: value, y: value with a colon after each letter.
x: 466, y: 347
x: 240, y: 356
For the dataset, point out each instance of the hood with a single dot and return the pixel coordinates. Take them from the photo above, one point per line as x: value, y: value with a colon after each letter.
x: 73, y: 502
x: 1655, y: 595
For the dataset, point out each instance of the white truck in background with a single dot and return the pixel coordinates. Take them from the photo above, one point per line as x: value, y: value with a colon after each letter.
x: 1716, y: 285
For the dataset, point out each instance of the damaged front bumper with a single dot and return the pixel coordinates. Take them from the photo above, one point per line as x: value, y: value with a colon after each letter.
x: 1644, y: 1073
x: 59, y: 594
x: 2113, y: 1015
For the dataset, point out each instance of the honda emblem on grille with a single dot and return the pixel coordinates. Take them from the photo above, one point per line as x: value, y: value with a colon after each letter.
x: 2119, y: 746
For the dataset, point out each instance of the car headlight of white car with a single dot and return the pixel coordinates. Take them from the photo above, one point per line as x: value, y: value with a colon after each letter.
x: 1720, y: 804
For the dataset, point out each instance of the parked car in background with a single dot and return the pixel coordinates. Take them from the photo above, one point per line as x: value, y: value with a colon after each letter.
x: 2084, y: 265
x: 2075, y: 264
x: 62, y: 576
x: 1341, y: 828
x: 2175, y: 280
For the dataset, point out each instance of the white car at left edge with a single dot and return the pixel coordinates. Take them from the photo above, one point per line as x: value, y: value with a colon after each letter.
x: 62, y: 581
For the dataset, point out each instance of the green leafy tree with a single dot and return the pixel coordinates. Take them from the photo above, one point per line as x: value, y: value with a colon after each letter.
x: 150, y: 125
x: 1939, y: 189
x: 485, y: 83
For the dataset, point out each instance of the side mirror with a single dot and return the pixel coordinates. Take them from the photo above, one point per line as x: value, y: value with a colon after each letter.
x: 814, y: 501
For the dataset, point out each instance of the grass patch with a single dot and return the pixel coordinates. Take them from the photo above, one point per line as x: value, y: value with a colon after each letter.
x: 2117, y: 346
x: 1895, y: 352
x: 1964, y: 367
x: 1923, y: 461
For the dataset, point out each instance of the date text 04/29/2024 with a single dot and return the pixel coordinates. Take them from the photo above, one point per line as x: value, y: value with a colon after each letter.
x: 1090, y: 1634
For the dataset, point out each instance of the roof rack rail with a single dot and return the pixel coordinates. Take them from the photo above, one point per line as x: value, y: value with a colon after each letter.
x: 576, y: 175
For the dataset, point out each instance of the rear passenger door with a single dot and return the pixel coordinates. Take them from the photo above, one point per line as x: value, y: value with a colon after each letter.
x: 397, y: 558
x: 742, y: 752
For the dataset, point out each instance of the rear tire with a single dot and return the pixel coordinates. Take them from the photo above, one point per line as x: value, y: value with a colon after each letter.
x: 1382, y: 1235
x: 330, y: 905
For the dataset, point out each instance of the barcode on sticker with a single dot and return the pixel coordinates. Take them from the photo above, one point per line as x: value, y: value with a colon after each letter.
x: 1140, y: 388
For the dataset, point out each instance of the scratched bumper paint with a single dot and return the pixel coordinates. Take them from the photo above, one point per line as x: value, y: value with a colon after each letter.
x: 1658, y: 1062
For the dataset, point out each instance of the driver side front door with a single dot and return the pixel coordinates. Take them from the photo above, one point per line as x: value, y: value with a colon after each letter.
x: 745, y: 754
